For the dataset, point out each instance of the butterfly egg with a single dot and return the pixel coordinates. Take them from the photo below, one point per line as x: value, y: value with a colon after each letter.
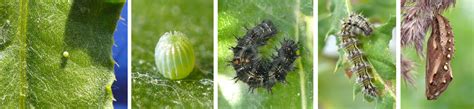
x: 66, y: 54
x: 174, y: 55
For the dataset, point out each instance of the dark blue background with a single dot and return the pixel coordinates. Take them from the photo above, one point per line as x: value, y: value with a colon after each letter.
x: 119, y: 53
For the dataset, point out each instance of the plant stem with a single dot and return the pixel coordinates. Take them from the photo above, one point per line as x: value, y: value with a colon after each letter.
x: 348, y: 6
x: 300, y: 65
x: 22, y: 53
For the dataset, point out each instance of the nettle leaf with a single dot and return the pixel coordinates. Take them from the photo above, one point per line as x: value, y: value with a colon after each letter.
x: 330, y: 24
x: 338, y: 11
x: 293, y: 21
x: 388, y: 102
x: 377, y: 51
x: 383, y: 62
x: 34, y: 73
x: 151, y: 20
x: 356, y: 90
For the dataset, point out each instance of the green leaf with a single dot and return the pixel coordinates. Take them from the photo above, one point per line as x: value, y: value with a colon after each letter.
x: 377, y: 50
x: 387, y: 102
x: 293, y: 20
x: 334, y: 13
x: 356, y: 90
x: 338, y: 10
x: 33, y: 36
x: 368, y: 98
x: 151, y: 20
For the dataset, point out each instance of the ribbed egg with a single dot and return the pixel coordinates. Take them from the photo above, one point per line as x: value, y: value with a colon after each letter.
x: 174, y: 55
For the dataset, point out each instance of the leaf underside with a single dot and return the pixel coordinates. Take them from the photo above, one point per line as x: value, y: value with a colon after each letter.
x: 33, y: 37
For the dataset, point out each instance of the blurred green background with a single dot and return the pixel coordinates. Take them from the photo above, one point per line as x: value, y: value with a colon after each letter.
x: 459, y: 94
x: 150, y: 20
x: 293, y: 20
x: 336, y: 89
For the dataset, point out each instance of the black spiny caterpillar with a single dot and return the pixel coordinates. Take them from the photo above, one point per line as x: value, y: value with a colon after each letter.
x: 260, y: 72
x: 352, y: 27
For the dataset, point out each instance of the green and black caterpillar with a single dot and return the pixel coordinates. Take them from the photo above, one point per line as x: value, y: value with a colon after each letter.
x: 256, y: 71
x: 352, y: 28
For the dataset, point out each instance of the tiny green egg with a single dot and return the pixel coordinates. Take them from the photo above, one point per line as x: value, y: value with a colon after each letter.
x: 65, y: 54
x: 174, y: 55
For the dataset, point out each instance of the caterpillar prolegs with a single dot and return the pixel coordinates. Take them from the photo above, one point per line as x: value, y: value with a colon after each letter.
x: 353, y: 27
x: 256, y: 71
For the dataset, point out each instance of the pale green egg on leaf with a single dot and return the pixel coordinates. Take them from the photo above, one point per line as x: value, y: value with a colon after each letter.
x: 66, y: 54
x: 174, y: 55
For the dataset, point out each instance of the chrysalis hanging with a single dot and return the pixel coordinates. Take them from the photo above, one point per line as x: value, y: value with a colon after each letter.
x: 440, y: 52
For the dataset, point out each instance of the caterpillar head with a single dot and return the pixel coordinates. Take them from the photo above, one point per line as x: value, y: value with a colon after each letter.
x: 354, y: 25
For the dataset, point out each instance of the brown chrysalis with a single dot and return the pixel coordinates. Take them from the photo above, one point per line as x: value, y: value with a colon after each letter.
x: 440, y: 52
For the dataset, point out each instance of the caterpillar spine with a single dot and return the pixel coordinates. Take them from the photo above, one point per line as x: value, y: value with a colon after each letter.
x: 260, y: 72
